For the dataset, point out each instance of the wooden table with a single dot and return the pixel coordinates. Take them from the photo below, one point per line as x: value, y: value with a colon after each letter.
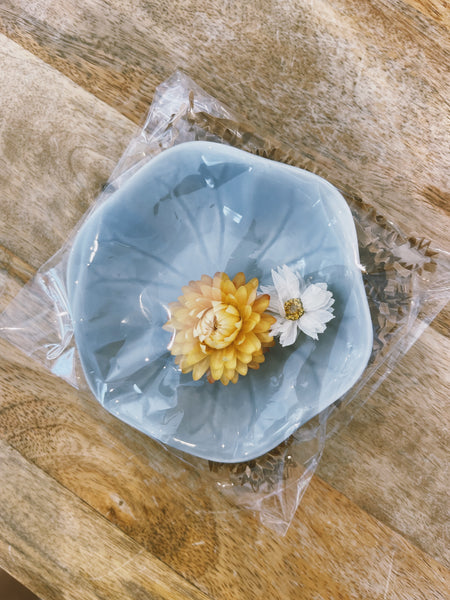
x: 89, y: 508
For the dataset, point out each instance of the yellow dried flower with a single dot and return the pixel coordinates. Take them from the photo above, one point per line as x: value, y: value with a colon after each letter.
x: 220, y: 327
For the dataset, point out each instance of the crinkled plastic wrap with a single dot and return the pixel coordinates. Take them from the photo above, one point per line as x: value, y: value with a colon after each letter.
x: 251, y: 440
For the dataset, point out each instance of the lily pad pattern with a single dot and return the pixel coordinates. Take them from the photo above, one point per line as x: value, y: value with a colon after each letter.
x: 196, y: 209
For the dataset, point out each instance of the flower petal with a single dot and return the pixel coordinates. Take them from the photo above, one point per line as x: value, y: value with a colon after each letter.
x: 279, y: 326
x: 264, y: 324
x: 289, y: 335
x: 275, y: 304
x: 324, y: 315
x: 311, y: 323
x: 218, y: 323
x: 200, y: 369
x: 239, y: 280
x: 315, y: 297
x: 293, y: 281
x: 259, y: 305
x: 286, y: 283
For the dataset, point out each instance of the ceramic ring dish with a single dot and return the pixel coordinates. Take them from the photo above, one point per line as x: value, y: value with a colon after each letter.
x: 196, y: 209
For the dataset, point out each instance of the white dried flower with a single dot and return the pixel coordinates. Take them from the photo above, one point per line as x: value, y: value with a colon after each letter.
x: 297, y: 306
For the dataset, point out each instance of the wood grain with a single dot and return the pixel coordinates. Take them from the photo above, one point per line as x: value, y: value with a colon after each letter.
x: 47, y: 183
x: 53, y: 534
x: 14, y: 273
x: 438, y: 10
x: 333, y: 547
x: 362, y: 91
x: 391, y: 459
x: 372, y: 117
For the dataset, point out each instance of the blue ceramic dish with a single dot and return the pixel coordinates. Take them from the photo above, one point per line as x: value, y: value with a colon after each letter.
x: 196, y: 209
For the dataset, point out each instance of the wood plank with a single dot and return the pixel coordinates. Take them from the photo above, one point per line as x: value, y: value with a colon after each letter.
x: 14, y: 273
x: 59, y: 547
x: 58, y: 147
x: 391, y: 459
x: 438, y: 10
x: 333, y: 547
x: 118, y: 471
x: 369, y: 116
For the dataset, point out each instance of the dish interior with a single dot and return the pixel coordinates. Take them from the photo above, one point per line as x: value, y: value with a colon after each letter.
x: 196, y: 209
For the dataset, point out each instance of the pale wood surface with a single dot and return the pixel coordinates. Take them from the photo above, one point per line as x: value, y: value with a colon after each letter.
x: 359, y: 88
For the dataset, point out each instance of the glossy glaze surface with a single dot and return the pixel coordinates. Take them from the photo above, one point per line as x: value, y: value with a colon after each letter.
x: 196, y: 209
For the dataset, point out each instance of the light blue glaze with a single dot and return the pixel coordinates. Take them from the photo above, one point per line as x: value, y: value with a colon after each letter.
x: 196, y: 209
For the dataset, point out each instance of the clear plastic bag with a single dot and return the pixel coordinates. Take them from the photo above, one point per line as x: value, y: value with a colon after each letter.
x: 406, y: 281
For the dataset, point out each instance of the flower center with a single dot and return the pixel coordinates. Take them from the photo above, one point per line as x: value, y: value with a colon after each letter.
x: 293, y: 309
x: 218, y: 326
